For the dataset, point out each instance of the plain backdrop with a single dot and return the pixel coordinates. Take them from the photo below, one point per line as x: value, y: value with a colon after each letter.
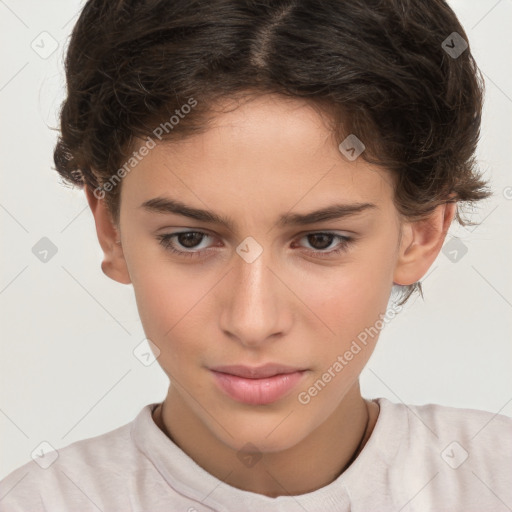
x: 67, y: 368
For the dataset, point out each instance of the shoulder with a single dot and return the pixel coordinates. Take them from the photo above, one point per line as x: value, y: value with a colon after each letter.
x: 462, y: 455
x: 77, y: 475
x: 476, y: 431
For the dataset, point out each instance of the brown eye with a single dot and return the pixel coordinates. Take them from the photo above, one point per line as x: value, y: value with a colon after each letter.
x: 323, y: 240
x: 189, y: 239
x: 320, y: 241
x: 183, y: 243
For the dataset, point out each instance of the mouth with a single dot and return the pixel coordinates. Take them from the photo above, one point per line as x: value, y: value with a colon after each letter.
x: 256, y: 372
x: 257, y: 385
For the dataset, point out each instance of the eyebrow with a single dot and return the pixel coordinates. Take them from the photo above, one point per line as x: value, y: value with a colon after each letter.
x: 166, y: 205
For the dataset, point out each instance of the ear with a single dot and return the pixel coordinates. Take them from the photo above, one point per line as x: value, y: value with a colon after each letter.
x: 421, y: 242
x: 114, y: 263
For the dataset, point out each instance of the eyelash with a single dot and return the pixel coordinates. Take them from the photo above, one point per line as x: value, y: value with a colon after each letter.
x: 165, y: 242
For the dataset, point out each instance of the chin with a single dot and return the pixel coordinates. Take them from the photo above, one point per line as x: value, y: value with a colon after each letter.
x: 266, y: 439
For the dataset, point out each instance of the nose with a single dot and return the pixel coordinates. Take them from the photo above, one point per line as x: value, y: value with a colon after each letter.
x: 254, y: 302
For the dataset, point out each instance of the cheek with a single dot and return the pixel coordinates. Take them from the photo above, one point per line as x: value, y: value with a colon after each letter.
x: 351, y: 300
x: 168, y: 302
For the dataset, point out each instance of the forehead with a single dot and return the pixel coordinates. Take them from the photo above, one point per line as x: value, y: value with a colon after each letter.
x: 267, y: 153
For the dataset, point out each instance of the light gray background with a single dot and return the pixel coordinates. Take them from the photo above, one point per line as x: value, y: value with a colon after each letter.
x: 68, y: 332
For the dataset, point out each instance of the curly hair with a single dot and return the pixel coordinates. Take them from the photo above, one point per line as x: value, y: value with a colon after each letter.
x: 378, y: 69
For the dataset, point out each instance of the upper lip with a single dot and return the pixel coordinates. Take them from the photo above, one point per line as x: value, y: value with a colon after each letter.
x: 256, y: 372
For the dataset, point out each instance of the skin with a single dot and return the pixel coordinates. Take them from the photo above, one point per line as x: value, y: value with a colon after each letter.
x: 270, y: 156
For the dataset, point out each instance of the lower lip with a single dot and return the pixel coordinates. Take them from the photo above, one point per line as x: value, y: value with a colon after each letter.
x: 257, y: 391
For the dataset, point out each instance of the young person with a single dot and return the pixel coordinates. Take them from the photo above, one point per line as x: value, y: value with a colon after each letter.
x: 265, y: 174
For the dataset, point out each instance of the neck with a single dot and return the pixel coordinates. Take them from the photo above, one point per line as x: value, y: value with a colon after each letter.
x: 328, y: 450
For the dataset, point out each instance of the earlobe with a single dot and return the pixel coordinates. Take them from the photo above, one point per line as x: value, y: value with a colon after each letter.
x: 420, y: 244
x: 114, y: 263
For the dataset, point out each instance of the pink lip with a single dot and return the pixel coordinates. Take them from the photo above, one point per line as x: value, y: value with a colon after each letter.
x: 259, y: 385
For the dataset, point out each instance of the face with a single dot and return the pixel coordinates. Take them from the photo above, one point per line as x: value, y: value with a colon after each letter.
x: 272, y: 285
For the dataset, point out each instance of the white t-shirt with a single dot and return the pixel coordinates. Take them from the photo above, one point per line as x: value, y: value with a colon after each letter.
x: 418, y: 458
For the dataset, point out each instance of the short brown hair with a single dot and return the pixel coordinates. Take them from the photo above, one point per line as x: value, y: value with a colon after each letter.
x: 377, y: 68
